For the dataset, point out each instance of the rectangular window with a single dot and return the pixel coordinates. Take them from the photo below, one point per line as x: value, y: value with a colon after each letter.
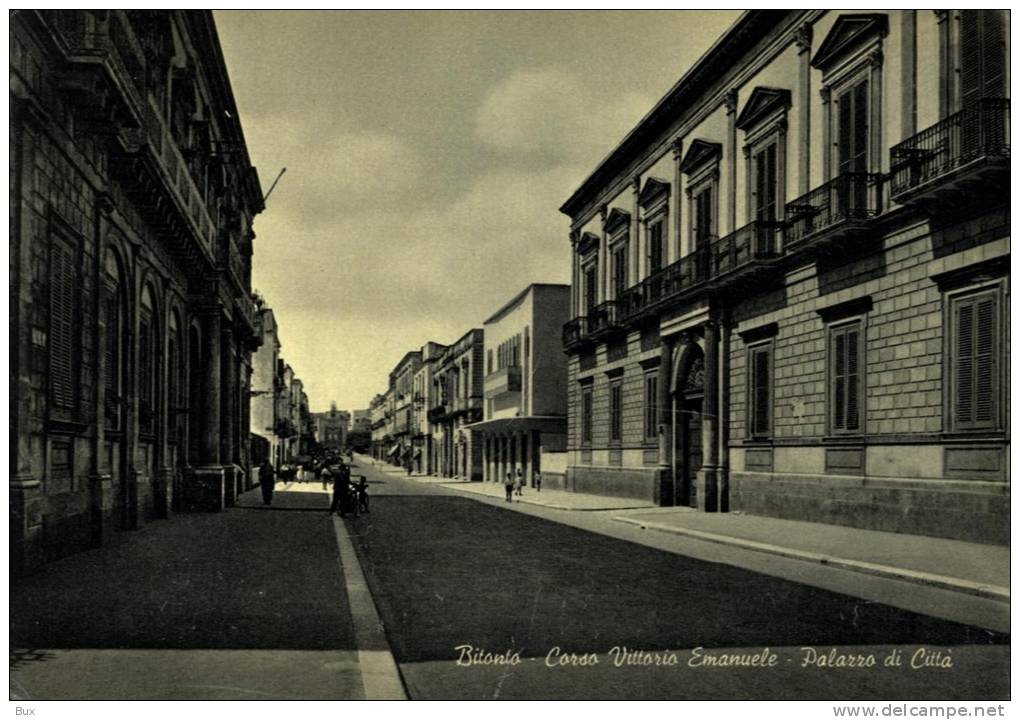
x: 852, y: 129
x: 591, y: 287
x: 982, y: 55
x: 651, y: 405
x: 765, y: 184
x: 488, y: 361
x: 586, y: 415
x: 974, y: 359
x: 63, y: 281
x: 615, y: 411
x: 620, y: 269
x: 759, y: 391
x: 703, y: 216
x: 655, y: 246
x: 846, y: 354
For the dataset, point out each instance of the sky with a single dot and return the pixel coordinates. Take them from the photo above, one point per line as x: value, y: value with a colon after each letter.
x: 427, y: 154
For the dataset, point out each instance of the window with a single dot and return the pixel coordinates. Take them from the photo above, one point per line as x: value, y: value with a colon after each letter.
x: 651, y: 404
x: 846, y: 354
x: 113, y: 350
x: 982, y: 55
x: 655, y: 246
x: 615, y: 411
x: 703, y: 216
x: 765, y: 183
x: 852, y: 129
x: 63, y: 331
x: 591, y: 287
x: 586, y: 415
x: 620, y: 268
x: 973, y: 357
x: 488, y: 362
x: 759, y: 391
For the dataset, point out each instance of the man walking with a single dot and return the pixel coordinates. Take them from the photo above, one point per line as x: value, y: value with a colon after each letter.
x: 267, y: 480
x: 508, y: 485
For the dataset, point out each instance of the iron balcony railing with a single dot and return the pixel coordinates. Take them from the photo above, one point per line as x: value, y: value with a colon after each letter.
x: 437, y: 414
x: 575, y: 331
x: 850, y: 197
x: 667, y: 283
x: 604, y: 318
x: 979, y: 131
x: 756, y: 241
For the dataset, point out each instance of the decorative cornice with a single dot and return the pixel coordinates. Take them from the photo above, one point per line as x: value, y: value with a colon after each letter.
x: 654, y: 189
x: 699, y: 153
x: 803, y: 36
x: 617, y: 219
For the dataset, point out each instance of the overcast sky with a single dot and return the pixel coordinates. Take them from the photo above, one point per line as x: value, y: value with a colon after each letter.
x: 427, y: 155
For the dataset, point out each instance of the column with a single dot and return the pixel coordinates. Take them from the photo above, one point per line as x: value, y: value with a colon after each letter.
x: 908, y: 74
x: 636, y: 270
x: 708, y: 478
x: 575, y: 285
x: 803, y: 40
x: 678, y: 154
x: 207, y: 491
x: 228, y: 388
x: 730, y: 102
x: 603, y: 269
x: 667, y: 483
x: 724, y: 416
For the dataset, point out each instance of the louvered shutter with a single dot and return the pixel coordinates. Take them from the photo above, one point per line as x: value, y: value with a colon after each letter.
x: 62, y: 281
x: 846, y: 378
x: 839, y: 381
x: 975, y: 377
x: 852, y: 379
x: 761, y: 392
x: 982, y: 55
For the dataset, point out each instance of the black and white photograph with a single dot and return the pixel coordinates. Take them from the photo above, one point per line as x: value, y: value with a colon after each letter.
x: 528, y: 355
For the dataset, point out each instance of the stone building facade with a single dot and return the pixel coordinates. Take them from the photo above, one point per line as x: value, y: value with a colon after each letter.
x: 457, y: 398
x: 424, y: 457
x: 331, y: 428
x: 791, y: 280
x: 132, y: 322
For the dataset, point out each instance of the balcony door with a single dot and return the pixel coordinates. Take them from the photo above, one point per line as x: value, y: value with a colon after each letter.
x: 852, y: 151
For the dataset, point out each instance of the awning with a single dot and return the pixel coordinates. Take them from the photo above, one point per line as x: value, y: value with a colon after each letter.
x: 394, y: 450
x: 556, y: 424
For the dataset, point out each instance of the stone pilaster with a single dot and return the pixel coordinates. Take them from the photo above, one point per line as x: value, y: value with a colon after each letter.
x: 667, y: 483
x: 708, y: 476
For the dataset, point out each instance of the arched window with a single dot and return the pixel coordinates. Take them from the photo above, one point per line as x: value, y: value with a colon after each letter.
x: 173, y: 376
x: 113, y: 346
x: 147, y: 352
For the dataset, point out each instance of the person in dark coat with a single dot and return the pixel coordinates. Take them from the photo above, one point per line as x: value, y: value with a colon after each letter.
x: 267, y: 480
x: 341, y: 487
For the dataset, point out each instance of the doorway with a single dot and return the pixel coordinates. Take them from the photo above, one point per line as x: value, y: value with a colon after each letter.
x: 688, y: 400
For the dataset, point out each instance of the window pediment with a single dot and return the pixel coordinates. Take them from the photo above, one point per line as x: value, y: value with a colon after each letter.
x: 763, y: 102
x: 587, y: 242
x: 617, y: 219
x: 700, y: 153
x: 848, y: 33
x: 654, y: 189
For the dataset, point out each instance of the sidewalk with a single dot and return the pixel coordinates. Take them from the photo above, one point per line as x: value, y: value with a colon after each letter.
x: 972, y: 568
x: 557, y: 499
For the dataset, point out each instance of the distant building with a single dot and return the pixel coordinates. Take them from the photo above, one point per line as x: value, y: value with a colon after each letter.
x: 424, y: 458
x: 331, y: 428
x: 525, y: 411
x: 361, y: 421
x: 457, y: 404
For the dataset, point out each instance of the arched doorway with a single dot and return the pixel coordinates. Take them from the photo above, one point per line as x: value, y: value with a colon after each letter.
x: 194, y: 396
x: 687, y: 398
x: 115, y: 322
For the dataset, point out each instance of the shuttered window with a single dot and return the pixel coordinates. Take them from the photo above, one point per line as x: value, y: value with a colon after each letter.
x: 852, y: 129
x: 982, y: 55
x: 615, y: 411
x: 974, y: 360
x: 586, y: 412
x: 846, y: 378
x: 590, y: 287
x: 620, y: 269
x: 651, y: 405
x: 655, y: 246
x: 63, y: 350
x: 765, y: 181
x: 704, y: 210
x: 759, y: 363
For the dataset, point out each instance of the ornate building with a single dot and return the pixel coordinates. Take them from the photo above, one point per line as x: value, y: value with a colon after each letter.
x: 456, y: 404
x: 132, y: 321
x: 791, y: 279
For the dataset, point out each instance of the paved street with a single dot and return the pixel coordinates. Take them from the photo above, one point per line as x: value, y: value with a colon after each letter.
x: 266, y: 603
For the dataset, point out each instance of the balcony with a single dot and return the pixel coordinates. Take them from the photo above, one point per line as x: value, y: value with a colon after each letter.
x: 838, y: 210
x: 575, y: 333
x: 743, y: 254
x: 503, y: 381
x: 437, y: 414
x: 107, y: 44
x: 605, y: 320
x: 666, y: 285
x: 965, y: 149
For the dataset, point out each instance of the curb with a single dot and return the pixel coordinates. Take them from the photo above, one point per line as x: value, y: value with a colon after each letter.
x: 453, y: 486
x: 984, y: 590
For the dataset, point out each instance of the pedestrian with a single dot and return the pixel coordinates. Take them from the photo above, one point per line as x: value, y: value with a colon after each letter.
x: 325, y: 474
x: 520, y: 483
x: 538, y: 481
x: 341, y: 487
x: 267, y: 480
x: 508, y: 485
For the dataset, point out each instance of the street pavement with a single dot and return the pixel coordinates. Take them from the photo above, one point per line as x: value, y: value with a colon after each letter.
x: 440, y: 592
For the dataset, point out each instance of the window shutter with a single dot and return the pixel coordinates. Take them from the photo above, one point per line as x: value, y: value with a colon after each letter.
x: 975, y: 391
x: 843, y: 132
x: 984, y: 362
x: 62, y: 390
x: 852, y: 379
x: 839, y: 381
x: 860, y: 151
x: 761, y: 391
x: 965, y: 363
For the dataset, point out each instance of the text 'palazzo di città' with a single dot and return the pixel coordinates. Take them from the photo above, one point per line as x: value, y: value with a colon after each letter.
x: 791, y: 284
